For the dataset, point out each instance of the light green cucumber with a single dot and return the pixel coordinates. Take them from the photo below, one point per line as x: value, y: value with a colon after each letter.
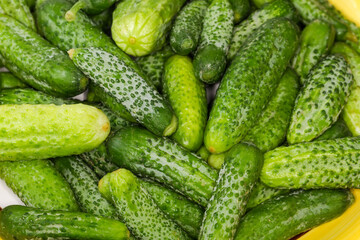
x: 337, y: 130
x: 203, y: 153
x: 216, y: 160
x: 19, y: 10
x: 261, y: 193
x: 8, y: 81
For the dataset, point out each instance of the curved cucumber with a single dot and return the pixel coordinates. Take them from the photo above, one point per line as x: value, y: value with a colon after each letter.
x: 241, y: 9
x: 337, y: 130
x: 261, y: 193
x: 19, y: 10
x: 91, y: 7
x: 8, y: 81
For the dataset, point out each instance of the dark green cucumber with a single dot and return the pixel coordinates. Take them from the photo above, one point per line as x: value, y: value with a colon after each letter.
x: 216, y: 160
x: 185, y: 33
x: 127, y: 87
x: 278, y: 8
x: 18, y: 222
x: 337, y: 130
x: 38, y: 184
x: 271, y: 128
x: 104, y: 19
x: 187, y: 97
x: 261, y: 3
x: 210, y: 56
x: 91, y: 7
x: 8, y: 81
x: 162, y: 160
x: 136, y: 207
x: 261, y: 193
x: 37, y: 62
x: 203, y: 153
x: 241, y: 9
x: 227, y: 204
x: 19, y: 10
x: 320, y: 101
x: 284, y: 217
x: 316, y: 41
x: 249, y: 83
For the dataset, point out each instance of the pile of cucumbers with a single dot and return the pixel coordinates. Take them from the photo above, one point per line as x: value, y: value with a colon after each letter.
x: 151, y: 153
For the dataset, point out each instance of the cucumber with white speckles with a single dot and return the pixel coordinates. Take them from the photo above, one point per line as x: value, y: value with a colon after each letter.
x: 8, y: 81
x: 241, y: 9
x: 320, y: 101
x: 210, y: 56
x: 136, y: 207
x: 337, y: 130
x: 19, y: 10
x: 227, y: 204
x: 261, y: 193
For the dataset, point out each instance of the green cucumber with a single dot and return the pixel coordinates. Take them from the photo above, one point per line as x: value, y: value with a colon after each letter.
x: 186, y: 30
x: 203, y: 153
x: 140, y: 26
x: 320, y: 101
x: 284, y: 217
x: 162, y: 160
x: 38, y: 184
x: 91, y: 7
x: 136, y: 207
x: 127, y: 87
x: 261, y: 193
x: 19, y: 222
x: 216, y: 160
x: 37, y: 62
x: 29, y: 96
x: 241, y: 9
x: 227, y: 204
x: 316, y: 41
x: 271, y: 128
x: 8, y: 81
x: 278, y: 8
x: 319, y: 164
x: 249, y: 83
x: 19, y: 10
x: 210, y: 57
x: 261, y: 3
x: 104, y: 19
x: 187, y: 97
x: 337, y: 130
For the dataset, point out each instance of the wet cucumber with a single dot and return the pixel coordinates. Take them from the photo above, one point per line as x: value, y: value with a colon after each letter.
x: 284, y: 217
x: 320, y: 101
x: 235, y: 110
x: 8, y: 81
x: 337, y: 130
x: 261, y: 193
x: 187, y: 97
x: 241, y: 9
x: 19, y: 10
x: 91, y: 7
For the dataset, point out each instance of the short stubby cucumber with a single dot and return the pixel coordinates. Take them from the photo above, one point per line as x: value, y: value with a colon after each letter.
x: 136, y: 207
x: 188, y: 100
x: 210, y: 56
x: 8, y: 81
x: 261, y: 193
x: 38, y: 184
x: 241, y: 8
x: 19, y: 222
x: 19, y: 10
x: 284, y: 217
x: 316, y: 41
x: 185, y: 33
x: 337, y: 130
x: 271, y: 128
x: 318, y: 164
x: 36, y: 62
x: 45, y: 131
x: 91, y: 7
x: 278, y: 8
x: 127, y: 87
x: 140, y: 26
x: 227, y: 204
x: 320, y: 101
x: 249, y: 83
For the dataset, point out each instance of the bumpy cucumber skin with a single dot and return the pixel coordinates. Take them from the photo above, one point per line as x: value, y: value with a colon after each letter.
x: 316, y: 41
x: 19, y: 222
x: 259, y: 66
x: 37, y: 62
x: 337, y: 130
x: 19, y: 10
x: 187, y: 97
x: 163, y: 161
x: 8, y: 81
x: 45, y: 131
x: 227, y: 204
x: 260, y: 193
x: 122, y: 83
x: 271, y: 128
x: 320, y: 101
x: 278, y: 8
x: 241, y: 9
x: 284, y: 217
x: 38, y: 184
x: 186, y: 30
x: 210, y: 57
x: 153, y: 19
x: 136, y: 207
x: 318, y: 164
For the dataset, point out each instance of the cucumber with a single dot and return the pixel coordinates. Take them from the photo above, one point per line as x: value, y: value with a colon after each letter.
x: 284, y: 217
x: 316, y: 41
x: 91, y: 7
x: 186, y: 30
x: 241, y: 9
x: 227, y: 204
x: 337, y: 130
x: 37, y: 62
x: 319, y: 164
x: 271, y: 128
x: 104, y: 19
x: 19, y: 10
x: 261, y: 3
x: 38, y: 184
x: 216, y: 160
x: 140, y: 26
x: 278, y: 8
x: 83, y: 181
x: 319, y: 103
x: 210, y: 57
x: 249, y: 83
x: 136, y: 207
x: 127, y: 87
x: 44, y: 131
x: 203, y: 153
x: 29, y: 96
x: 162, y: 160
x: 18, y: 222
x: 187, y: 96
x: 261, y: 193
x: 8, y: 81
